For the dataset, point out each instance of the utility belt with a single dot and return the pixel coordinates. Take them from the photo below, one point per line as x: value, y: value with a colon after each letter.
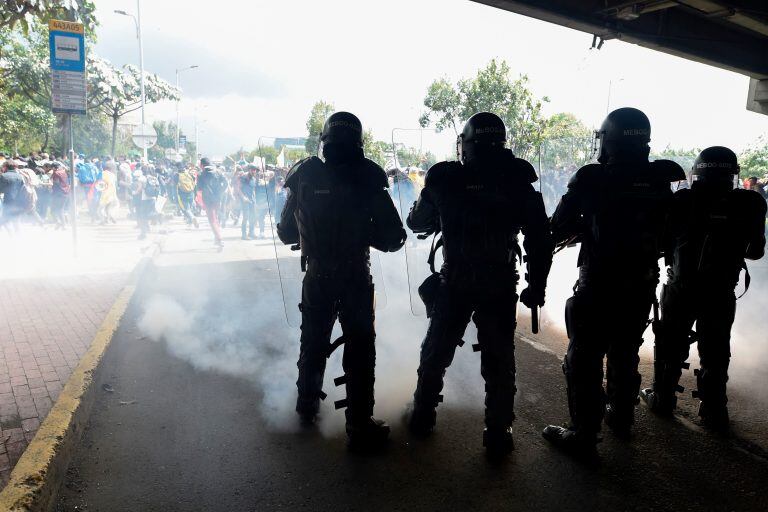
x: 322, y: 267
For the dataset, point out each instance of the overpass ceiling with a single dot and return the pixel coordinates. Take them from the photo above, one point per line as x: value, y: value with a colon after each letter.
x: 731, y: 35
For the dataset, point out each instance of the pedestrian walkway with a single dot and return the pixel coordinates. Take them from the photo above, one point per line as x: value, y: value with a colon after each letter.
x: 52, y: 302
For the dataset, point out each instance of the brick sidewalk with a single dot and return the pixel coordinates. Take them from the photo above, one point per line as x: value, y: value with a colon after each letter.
x: 51, y: 306
x: 47, y: 326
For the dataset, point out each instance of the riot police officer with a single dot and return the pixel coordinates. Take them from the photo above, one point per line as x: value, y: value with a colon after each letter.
x: 617, y: 209
x: 336, y: 209
x: 480, y: 204
x: 713, y: 228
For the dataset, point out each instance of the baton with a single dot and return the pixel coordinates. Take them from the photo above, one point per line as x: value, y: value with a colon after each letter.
x: 535, y: 319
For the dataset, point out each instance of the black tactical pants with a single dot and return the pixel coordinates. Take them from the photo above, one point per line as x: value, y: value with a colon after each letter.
x: 324, y: 298
x: 713, y: 309
x: 604, y: 323
x: 493, y: 312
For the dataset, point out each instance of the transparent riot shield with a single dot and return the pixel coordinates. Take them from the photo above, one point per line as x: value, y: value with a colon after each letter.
x: 414, y: 151
x: 558, y: 160
x: 274, y: 163
x: 272, y: 195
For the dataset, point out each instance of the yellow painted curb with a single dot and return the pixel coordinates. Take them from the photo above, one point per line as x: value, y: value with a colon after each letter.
x: 35, y: 479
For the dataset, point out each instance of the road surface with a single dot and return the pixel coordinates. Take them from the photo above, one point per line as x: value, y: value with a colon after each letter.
x: 194, y: 402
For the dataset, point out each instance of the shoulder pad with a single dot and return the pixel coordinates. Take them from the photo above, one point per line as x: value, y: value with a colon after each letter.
x: 527, y: 170
x: 585, y: 175
x: 671, y: 170
x: 300, y: 167
x: 437, y: 172
x: 751, y: 201
x: 378, y: 178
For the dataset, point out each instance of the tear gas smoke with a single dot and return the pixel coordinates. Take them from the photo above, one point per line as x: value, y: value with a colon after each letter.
x: 217, y: 325
x: 749, y: 341
x: 228, y: 321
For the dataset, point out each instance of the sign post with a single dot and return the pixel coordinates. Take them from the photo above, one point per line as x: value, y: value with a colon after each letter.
x: 144, y: 136
x: 66, y: 40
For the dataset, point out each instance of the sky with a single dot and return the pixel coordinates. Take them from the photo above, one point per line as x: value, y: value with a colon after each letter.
x: 262, y: 65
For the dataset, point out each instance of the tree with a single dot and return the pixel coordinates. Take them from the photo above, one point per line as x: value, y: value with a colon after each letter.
x: 320, y: 112
x: 111, y: 91
x: 166, y: 139
x: 121, y: 90
x: 375, y: 150
x: 492, y: 90
x: 25, y: 74
x: 414, y: 157
x: 567, y: 143
x: 24, y: 12
x: 294, y: 155
x: 754, y: 160
x: 445, y: 104
x: 24, y: 126
x: 684, y: 157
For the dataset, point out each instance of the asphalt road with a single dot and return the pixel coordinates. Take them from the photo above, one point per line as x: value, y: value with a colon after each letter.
x: 193, y: 413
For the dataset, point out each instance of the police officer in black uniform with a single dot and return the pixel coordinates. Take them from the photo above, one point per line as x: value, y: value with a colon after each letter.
x: 617, y: 209
x: 336, y: 209
x: 480, y: 204
x: 713, y: 228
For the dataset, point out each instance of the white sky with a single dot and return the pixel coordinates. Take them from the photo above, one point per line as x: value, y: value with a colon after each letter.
x: 264, y: 63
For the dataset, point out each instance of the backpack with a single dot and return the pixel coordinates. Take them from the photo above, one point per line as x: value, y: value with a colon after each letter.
x: 152, y: 188
x: 218, y: 184
x: 26, y: 196
x: 186, y: 182
x: 85, y: 173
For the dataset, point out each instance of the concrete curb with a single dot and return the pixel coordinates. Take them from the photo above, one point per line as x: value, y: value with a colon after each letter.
x: 37, y: 476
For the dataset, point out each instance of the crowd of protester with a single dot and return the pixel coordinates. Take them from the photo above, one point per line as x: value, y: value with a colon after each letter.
x: 35, y: 190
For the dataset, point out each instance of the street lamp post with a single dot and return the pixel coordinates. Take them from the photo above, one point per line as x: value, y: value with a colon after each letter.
x: 178, y: 101
x: 137, y: 21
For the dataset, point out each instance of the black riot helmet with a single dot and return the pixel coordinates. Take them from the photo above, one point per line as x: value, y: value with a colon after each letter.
x: 715, y: 167
x: 483, y: 133
x: 342, y: 128
x: 342, y: 138
x: 623, y: 136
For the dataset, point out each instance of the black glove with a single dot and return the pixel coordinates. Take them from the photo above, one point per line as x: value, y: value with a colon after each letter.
x: 532, y: 297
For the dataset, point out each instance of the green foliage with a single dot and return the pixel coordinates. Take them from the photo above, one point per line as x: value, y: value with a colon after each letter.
x: 684, y: 157
x: 444, y: 105
x: 268, y: 153
x: 294, y: 155
x: 166, y: 139
x: 320, y: 112
x: 492, y: 90
x: 111, y: 91
x: 413, y: 157
x: 24, y: 125
x: 25, y: 13
x: 567, y: 143
x: 754, y: 160
x: 375, y: 150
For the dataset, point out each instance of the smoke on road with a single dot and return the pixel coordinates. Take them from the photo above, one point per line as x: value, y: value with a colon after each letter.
x: 219, y: 322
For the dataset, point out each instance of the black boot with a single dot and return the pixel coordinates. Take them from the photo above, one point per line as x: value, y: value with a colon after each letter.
x: 620, y: 420
x: 715, y: 417
x: 367, y: 434
x: 659, y: 403
x: 307, y: 410
x: 420, y: 419
x: 498, y: 441
x: 569, y: 440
